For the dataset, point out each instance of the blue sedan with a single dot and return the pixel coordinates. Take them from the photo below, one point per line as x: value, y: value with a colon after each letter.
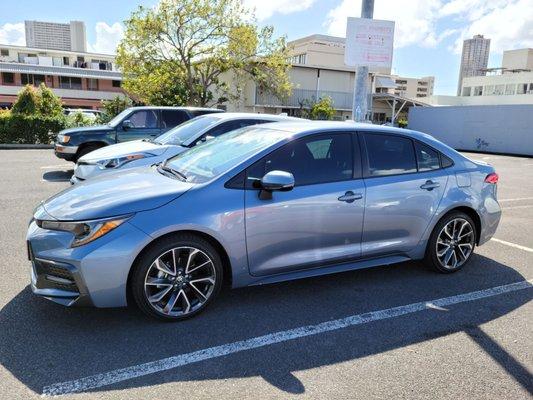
x: 259, y: 205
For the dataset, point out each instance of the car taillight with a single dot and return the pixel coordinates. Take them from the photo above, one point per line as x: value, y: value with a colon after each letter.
x: 492, y: 178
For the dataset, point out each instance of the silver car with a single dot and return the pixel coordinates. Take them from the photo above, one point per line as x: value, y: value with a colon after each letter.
x: 259, y: 205
x: 118, y: 157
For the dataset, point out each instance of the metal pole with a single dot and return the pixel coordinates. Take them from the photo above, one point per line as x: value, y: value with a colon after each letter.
x: 360, y: 93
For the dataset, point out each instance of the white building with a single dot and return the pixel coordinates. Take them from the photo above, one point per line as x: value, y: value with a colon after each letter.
x: 56, y: 36
x: 510, y: 84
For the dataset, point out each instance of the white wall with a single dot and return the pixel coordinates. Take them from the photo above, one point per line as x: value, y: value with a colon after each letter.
x: 491, y: 129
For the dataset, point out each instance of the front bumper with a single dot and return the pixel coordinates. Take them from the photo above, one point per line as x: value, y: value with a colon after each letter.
x: 65, y: 152
x: 94, y: 274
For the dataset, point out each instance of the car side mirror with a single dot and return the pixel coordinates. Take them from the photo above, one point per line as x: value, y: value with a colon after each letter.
x: 275, y: 181
x: 127, y: 124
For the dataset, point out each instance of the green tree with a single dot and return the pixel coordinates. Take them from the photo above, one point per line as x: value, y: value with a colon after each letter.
x: 112, y: 108
x: 200, y: 52
x: 27, y: 102
x: 49, y: 104
x: 77, y: 119
x: 320, y: 110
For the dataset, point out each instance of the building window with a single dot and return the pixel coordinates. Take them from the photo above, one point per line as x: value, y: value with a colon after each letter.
x: 478, y: 90
x: 4, y: 52
x: 401, y: 81
x: 467, y: 90
x: 66, y: 61
x: 298, y: 59
x: 116, y: 83
x: 499, y: 90
x: 8, y: 78
x: 489, y: 90
x: 31, y: 79
x: 521, y: 88
x: 69, y: 82
x: 510, y: 88
x: 92, y: 84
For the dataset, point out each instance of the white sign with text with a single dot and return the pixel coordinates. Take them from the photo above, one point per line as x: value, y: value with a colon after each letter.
x: 369, y: 42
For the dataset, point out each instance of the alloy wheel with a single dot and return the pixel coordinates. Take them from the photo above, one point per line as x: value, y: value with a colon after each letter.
x: 455, y: 243
x: 180, y: 281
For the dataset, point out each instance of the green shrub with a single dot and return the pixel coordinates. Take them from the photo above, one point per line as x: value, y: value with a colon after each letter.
x: 27, y: 102
x: 29, y: 129
x: 78, y: 119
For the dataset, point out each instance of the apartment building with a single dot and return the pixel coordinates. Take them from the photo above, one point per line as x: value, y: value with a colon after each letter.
x: 81, y: 79
x: 56, y: 36
x: 318, y: 70
x: 474, y: 58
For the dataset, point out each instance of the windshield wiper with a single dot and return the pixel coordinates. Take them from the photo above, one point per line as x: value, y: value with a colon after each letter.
x: 175, y: 172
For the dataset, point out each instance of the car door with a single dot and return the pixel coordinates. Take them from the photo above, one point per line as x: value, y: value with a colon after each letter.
x: 172, y: 118
x: 142, y: 124
x: 404, y: 186
x: 320, y: 220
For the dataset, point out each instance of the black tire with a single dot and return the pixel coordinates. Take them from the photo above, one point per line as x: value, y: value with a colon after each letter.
x: 431, y: 257
x: 86, y: 150
x: 144, y: 263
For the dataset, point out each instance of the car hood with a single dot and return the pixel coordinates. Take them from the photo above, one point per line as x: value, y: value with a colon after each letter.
x: 84, y: 129
x: 117, y: 193
x: 124, y: 149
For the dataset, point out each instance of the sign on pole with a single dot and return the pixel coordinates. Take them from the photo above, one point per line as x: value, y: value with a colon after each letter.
x: 369, y: 42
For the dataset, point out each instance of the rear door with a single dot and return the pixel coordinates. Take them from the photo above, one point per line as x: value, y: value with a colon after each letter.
x: 144, y: 124
x: 320, y: 220
x: 404, y: 186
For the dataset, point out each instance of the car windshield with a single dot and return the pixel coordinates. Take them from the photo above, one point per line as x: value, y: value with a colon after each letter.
x: 215, y: 157
x: 115, y: 121
x: 187, y: 130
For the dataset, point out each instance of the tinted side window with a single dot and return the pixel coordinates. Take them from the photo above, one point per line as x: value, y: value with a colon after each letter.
x: 389, y: 155
x: 172, y: 118
x: 426, y: 157
x: 446, y: 162
x: 326, y: 158
x: 224, y: 127
x: 144, y: 119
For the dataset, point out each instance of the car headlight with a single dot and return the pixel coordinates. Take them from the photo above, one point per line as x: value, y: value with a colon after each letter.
x: 120, y: 161
x: 63, y: 138
x: 84, y: 231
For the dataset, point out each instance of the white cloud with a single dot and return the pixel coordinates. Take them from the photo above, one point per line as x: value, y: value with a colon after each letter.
x: 107, y: 38
x: 415, y: 19
x: 13, y: 34
x: 266, y: 8
x: 508, y: 23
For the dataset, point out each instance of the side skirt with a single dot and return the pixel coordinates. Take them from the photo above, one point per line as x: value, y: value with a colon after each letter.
x: 332, y: 269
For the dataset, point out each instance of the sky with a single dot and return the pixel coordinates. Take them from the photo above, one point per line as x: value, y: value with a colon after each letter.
x: 428, y: 33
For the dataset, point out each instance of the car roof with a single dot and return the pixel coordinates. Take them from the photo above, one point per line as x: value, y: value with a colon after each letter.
x: 214, y: 110
x: 241, y: 115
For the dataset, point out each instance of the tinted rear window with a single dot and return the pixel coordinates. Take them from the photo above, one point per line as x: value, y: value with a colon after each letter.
x: 172, y: 118
x: 389, y: 155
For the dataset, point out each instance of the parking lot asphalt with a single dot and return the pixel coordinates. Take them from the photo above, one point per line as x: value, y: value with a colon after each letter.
x: 367, y: 334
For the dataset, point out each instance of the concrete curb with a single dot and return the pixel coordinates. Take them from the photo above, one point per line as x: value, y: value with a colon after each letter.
x: 7, y: 146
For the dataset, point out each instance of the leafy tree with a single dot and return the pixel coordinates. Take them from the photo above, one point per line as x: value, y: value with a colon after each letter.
x: 322, y: 109
x: 27, y: 102
x: 112, y: 108
x: 199, y: 52
x: 49, y: 104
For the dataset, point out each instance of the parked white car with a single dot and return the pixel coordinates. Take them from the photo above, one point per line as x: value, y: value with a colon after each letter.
x: 152, y: 151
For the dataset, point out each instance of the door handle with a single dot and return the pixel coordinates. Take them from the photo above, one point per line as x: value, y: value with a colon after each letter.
x: 350, y: 197
x: 430, y: 185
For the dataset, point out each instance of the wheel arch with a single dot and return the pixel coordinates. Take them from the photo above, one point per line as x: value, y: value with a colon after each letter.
x: 84, y: 145
x: 471, y: 212
x: 226, y: 263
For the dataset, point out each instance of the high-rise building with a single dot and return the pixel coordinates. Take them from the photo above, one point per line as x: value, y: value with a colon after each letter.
x: 56, y: 36
x: 474, y: 58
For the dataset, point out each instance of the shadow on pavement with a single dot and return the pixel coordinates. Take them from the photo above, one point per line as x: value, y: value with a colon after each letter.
x: 43, y: 343
x: 58, y: 176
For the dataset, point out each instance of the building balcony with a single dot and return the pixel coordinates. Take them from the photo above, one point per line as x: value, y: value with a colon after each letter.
x: 298, y: 98
x: 67, y: 93
x: 25, y: 68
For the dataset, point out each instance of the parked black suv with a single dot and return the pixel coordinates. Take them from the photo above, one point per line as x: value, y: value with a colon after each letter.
x: 131, y: 124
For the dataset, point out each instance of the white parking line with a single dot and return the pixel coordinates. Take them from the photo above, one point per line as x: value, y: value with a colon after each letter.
x: 57, y: 166
x: 516, y: 246
x: 516, y: 199
x: 119, y: 375
x: 515, y: 207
